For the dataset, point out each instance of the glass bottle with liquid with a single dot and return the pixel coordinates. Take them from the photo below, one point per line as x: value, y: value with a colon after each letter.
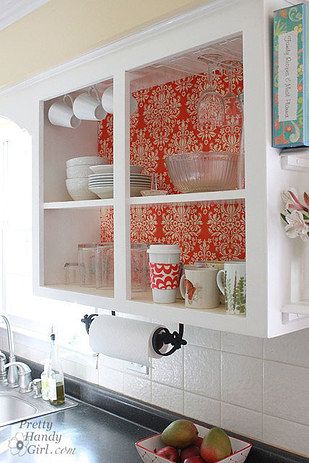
x: 56, y: 378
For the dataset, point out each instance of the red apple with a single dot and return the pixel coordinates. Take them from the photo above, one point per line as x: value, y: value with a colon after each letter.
x: 189, y: 452
x: 194, y: 460
x: 170, y: 453
x: 198, y: 442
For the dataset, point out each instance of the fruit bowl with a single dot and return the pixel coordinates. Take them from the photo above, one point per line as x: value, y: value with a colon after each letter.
x: 146, y: 448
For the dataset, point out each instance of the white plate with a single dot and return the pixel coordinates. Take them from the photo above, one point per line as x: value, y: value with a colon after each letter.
x: 99, y: 169
x: 88, y: 160
x: 132, y: 176
x: 107, y: 192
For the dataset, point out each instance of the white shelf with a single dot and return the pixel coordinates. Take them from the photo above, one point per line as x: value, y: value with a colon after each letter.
x: 190, y: 197
x: 103, y: 298
x: 79, y: 204
x: 142, y: 305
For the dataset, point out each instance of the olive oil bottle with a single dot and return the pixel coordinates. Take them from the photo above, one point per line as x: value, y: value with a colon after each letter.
x: 56, y: 378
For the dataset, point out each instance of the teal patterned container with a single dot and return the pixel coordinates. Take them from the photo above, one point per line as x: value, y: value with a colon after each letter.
x: 290, y: 77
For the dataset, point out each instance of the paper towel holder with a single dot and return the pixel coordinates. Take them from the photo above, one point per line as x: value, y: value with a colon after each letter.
x: 162, y: 336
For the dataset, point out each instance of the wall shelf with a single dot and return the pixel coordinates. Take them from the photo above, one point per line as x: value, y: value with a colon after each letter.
x: 78, y: 204
x: 190, y: 197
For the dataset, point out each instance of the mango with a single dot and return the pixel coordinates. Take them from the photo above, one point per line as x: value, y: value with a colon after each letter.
x: 216, y: 446
x: 180, y: 434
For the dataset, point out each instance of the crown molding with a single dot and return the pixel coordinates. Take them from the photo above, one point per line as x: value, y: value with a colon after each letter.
x: 141, y: 35
x: 13, y: 10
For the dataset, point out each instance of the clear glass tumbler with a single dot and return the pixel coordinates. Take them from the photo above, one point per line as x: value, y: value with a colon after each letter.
x: 104, y: 266
x: 86, y: 262
x: 72, y: 274
x: 140, y: 278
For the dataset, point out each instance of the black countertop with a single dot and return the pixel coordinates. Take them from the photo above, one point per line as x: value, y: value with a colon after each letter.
x: 102, y: 428
x: 83, y: 434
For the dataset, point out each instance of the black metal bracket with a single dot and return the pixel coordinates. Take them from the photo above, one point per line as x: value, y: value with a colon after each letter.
x: 162, y: 337
x: 88, y: 319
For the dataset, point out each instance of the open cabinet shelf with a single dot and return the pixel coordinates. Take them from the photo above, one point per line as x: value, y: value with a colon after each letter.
x: 79, y: 204
x: 166, y: 72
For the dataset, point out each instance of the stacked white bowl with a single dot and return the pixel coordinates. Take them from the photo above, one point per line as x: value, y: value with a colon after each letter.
x: 101, y: 181
x: 78, y: 170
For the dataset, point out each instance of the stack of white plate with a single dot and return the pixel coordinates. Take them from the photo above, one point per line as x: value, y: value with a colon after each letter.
x: 78, y: 170
x: 101, y: 183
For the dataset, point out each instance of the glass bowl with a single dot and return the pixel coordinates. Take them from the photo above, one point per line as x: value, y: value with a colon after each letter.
x: 201, y: 171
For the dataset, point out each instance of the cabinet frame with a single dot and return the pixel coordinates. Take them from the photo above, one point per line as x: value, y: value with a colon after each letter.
x: 265, y: 240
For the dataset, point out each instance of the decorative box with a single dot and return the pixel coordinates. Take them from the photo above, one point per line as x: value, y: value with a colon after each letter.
x: 146, y: 448
x: 290, y: 74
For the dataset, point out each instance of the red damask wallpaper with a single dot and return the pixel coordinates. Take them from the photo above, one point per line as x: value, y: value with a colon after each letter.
x: 166, y: 123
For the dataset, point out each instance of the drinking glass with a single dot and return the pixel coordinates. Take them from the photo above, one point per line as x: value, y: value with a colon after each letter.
x: 86, y: 262
x: 104, y: 266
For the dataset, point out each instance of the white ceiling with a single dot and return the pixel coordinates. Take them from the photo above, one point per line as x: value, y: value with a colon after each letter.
x: 13, y: 10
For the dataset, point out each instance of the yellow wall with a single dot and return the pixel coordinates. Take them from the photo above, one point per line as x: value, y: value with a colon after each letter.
x: 63, y: 29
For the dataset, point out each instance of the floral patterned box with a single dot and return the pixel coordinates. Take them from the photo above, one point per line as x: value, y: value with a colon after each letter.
x: 146, y: 449
x: 290, y: 74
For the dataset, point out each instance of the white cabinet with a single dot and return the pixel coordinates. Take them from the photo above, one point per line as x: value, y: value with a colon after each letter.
x: 152, y: 58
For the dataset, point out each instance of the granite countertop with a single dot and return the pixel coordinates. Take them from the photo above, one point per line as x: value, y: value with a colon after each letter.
x: 83, y: 434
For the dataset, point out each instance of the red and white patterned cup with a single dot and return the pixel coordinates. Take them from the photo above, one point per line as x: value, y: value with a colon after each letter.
x: 164, y: 264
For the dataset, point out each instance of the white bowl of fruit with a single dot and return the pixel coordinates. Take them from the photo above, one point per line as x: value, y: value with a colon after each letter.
x: 185, y: 442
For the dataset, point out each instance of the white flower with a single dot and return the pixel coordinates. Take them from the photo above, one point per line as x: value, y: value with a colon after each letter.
x: 287, y: 199
x: 296, y: 226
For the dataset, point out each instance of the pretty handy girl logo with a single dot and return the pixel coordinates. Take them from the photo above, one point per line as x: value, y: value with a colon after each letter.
x: 39, y: 438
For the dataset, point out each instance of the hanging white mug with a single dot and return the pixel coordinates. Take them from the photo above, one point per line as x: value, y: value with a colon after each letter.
x: 232, y: 283
x: 61, y: 113
x: 87, y: 106
x: 107, y: 101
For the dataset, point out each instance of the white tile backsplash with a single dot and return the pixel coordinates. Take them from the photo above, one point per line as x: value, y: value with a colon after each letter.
x: 242, y: 381
x: 202, y: 371
x: 286, y: 435
x: 202, y: 408
x: 243, y: 345
x: 137, y: 387
x: 202, y: 337
x: 242, y: 421
x: 167, y: 397
x: 263, y: 384
x: 291, y: 348
x: 286, y: 392
x: 169, y: 370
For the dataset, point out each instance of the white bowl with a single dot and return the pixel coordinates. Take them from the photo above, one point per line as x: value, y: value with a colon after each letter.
x: 86, y: 160
x: 78, y: 189
x: 109, y: 168
x: 102, y: 192
x: 78, y: 171
x: 153, y: 192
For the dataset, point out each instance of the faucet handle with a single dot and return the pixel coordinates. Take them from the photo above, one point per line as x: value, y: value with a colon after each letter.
x: 37, y: 388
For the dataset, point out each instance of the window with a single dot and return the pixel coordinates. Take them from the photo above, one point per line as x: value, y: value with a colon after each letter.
x: 25, y: 310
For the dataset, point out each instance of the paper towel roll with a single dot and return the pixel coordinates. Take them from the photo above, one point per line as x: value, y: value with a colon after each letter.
x: 122, y: 338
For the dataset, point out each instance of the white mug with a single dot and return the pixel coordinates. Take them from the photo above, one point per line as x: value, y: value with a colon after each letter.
x: 198, y: 286
x: 232, y: 283
x: 107, y: 101
x: 61, y: 113
x: 87, y: 106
